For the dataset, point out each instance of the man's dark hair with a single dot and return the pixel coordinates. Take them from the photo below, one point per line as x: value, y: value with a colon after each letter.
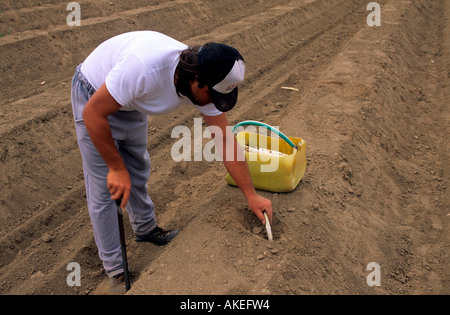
x: 187, y: 71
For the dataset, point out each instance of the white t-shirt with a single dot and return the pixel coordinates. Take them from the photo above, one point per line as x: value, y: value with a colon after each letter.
x: 138, y: 69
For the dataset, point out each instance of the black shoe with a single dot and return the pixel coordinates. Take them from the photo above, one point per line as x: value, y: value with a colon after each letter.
x: 157, y: 236
x: 117, y: 285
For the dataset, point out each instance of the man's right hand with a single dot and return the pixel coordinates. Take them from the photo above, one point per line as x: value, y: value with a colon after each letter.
x: 119, y: 185
x: 95, y: 115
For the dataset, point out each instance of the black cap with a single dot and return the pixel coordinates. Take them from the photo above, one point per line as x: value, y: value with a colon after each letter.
x: 222, y: 68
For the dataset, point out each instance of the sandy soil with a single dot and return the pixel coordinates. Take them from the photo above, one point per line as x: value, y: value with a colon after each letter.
x: 372, y: 105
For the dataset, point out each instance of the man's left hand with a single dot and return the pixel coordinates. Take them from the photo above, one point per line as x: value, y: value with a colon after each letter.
x: 259, y: 205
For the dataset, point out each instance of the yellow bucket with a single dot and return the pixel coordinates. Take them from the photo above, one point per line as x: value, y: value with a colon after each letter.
x: 276, y: 164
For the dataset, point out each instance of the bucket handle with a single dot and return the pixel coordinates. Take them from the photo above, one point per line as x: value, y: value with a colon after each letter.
x: 257, y: 123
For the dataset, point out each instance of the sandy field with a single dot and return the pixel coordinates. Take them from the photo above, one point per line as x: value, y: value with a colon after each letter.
x: 372, y: 105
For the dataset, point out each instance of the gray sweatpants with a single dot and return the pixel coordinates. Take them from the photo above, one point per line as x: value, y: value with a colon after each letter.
x: 129, y: 130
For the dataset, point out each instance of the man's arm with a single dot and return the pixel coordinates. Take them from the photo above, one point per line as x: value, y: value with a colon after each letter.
x: 95, y: 116
x: 238, y: 167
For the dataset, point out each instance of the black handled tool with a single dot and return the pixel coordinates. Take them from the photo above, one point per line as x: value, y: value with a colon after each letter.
x: 123, y: 245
